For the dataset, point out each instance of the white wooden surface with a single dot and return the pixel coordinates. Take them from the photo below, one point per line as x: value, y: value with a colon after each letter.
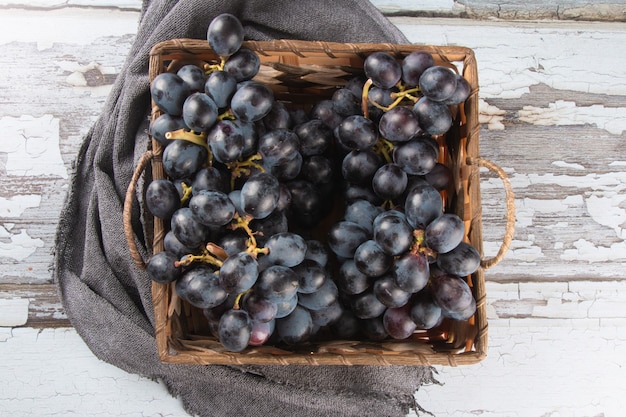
x: 553, y: 116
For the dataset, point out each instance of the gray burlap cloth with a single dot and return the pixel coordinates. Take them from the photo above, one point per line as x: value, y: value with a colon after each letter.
x: 107, y: 298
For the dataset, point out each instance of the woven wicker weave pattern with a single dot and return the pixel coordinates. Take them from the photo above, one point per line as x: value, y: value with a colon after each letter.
x: 302, y: 73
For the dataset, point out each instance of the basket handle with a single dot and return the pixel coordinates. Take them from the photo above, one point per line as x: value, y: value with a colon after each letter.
x: 145, y: 159
x: 510, y: 210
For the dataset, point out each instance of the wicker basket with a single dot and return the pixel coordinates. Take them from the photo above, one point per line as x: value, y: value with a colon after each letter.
x: 302, y: 73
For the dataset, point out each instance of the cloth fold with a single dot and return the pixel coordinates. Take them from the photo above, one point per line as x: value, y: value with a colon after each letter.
x: 108, y: 299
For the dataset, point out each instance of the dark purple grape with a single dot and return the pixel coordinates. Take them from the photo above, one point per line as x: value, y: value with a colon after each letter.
x: 371, y: 260
x: 374, y: 329
x: 239, y: 272
x: 398, y: 323
x: 359, y: 167
x: 162, y: 267
x: 261, y: 332
x: 212, y: 208
x: 169, y: 92
x: 438, y: 83
x: 277, y: 283
x: 234, y: 242
x: 415, y: 157
x: 296, y: 328
x: 425, y: 312
x: 286, y: 170
x: 260, y: 194
x: 226, y: 141
x: 345, y: 103
x: 234, y: 331
x: 287, y: 249
x: 439, y: 177
x: 163, y: 124
x: 327, y: 315
x: 366, y: 306
x: 221, y: 87
x: 444, y: 233
x: 389, y: 182
x: 344, y: 237
x: 383, y: 69
x: 399, y: 124
x: 243, y: 65
x: 423, y: 205
x: 193, y: 75
x: 357, y: 132
x: 317, y: 169
x: 411, y: 271
x: 393, y: 233
x: 461, y: 315
x: 278, y: 118
x: 452, y: 295
x: 187, y: 229
x: 311, y: 275
x: 389, y: 293
x: 182, y: 159
x: 259, y: 308
x: 316, y: 251
x: 363, y: 213
x: 462, y: 260
x: 278, y: 147
x: 381, y: 96
x: 324, y: 111
x: 434, y: 116
x: 346, y: 327
x: 307, y: 206
x: 324, y: 297
x: 414, y: 64
x: 252, y: 101
x: 162, y: 198
x: 355, y: 192
x: 286, y: 307
x: 173, y: 245
x: 462, y: 92
x: 200, y: 287
x: 352, y: 281
x: 315, y: 137
x: 225, y: 34
x: 209, y: 179
x: 355, y: 85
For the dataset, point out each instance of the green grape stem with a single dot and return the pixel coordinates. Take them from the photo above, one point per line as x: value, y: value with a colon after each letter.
x: 210, y: 68
x: 206, y: 258
x: 198, y: 138
x: 253, y: 249
x: 384, y: 147
x: 365, y: 98
x: 187, y: 193
x: 239, y: 168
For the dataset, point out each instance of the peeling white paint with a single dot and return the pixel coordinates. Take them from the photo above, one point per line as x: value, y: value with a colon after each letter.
x: 32, y: 146
x: 525, y: 251
x: 15, y: 205
x: 563, y: 164
x: 587, y: 251
x: 13, y: 312
x: 607, y: 212
x: 568, y: 113
x: 490, y: 115
x: 20, y: 245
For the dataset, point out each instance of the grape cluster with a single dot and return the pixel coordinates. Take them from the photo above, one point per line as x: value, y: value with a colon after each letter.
x: 249, y: 182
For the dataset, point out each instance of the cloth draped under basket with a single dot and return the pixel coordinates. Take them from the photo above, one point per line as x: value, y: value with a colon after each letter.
x: 301, y: 73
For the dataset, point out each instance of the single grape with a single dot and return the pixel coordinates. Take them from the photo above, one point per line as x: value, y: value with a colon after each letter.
x: 163, y: 124
x: 209, y: 179
x: 296, y: 327
x: 316, y: 251
x: 434, y: 116
x: 415, y: 157
x: 286, y: 170
x: 452, y: 294
x: 315, y: 137
x: 162, y: 267
x: 357, y: 132
x: 169, y: 92
x: 235, y: 328
x: 275, y: 223
x: 411, y: 271
x: 374, y: 329
x: 287, y: 249
x: 345, y: 237
x: 355, y: 192
x: 399, y: 124
x: 398, y: 323
x: 225, y: 34
x: 389, y: 181
x: 243, y: 65
x: 438, y: 83
x: 187, y: 229
x: 317, y: 169
x: 252, y: 101
x: 221, y: 87
x: 182, y: 159
x: 172, y: 244
x: 345, y: 103
x: 286, y: 307
x: 381, y: 96
x: 371, y: 260
x: 193, y: 75
x: 200, y: 287
x: 279, y: 146
x: 363, y: 213
x: 359, y: 167
x: 355, y: 85
x: 439, y: 177
x: 393, y: 233
x: 382, y: 69
x: 423, y: 205
x: 258, y: 308
x: 327, y: 315
x: 461, y: 93
x: 226, y: 141
x: 212, y: 208
x: 277, y: 283
x: 279, y: 117
x: 261, y: 332
x: 366, y: 306
x: 260, y: 194
x: 425, y: 312
x: 324, y: 111
x: 162, y: 198
x: 326, y: 295
x: 389, y: 293
x: 234, y: 242
x: 239, y: 272
x: 444, y: 233
x: 462, y: 260
x: 414, y: 64
x: 311, y: 276
x: 352, y: 281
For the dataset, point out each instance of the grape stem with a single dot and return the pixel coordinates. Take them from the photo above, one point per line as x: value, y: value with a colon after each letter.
x: 187, y: 192
x: 239, y: 168
x: 365, y: 98
x: 399, y: 96
x: 206, y: 257
x: 253, y: 249
x: 419, y: 245
x: 384, y: 147
x: 209, y: 68
x: 198, y: 138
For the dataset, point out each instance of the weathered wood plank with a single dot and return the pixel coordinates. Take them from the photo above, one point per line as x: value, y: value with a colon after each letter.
x: 36, y: 305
